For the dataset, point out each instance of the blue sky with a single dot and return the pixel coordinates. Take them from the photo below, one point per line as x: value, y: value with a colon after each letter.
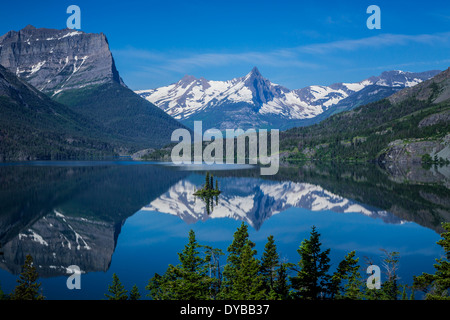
x: 293, y: 43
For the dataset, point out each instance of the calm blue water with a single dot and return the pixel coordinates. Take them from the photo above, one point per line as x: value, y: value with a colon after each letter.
x: 134, y: 219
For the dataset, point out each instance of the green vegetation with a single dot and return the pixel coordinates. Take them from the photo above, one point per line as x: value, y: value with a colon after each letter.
x: 116, y: 290
x: 122, y: 113
x: 245, y: 277
x: 33, y: 126
x: 134, y: 293
x: 365, y: 132
x: 198, y: 276
x: 208, y: 189
x: 437, y: 286
x: 209, y: 193
x: 191, y: 279
x: 28, y: 287
x: 90, y: 123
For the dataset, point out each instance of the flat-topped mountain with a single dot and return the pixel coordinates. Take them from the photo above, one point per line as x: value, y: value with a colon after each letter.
x: 56, y: 60
x: 77, y: 69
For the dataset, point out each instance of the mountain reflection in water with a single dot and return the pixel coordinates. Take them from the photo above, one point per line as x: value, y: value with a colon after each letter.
x: 64, y: 215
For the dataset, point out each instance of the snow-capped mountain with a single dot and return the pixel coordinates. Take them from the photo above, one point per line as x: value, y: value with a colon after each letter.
x: 55, y: 60
x: 254, y: 101
x: 254, y: 201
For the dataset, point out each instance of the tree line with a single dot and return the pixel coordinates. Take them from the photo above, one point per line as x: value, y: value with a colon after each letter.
x: 199, y: 275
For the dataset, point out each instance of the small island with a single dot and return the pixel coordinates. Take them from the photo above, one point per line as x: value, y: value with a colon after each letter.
x: 208, y: 189
x: 209, y: 193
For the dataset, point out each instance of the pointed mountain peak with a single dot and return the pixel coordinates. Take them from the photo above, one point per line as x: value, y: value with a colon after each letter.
x: 253, y: 75
x: 188, y: 78
x: 255, y: 71
x: 29, y: 27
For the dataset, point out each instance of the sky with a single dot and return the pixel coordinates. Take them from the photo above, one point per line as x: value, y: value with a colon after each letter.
x: 293, y: 43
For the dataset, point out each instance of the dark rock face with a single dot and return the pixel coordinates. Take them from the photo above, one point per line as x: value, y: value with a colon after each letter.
x: 57, y: 241
x: 262, y: 90
x: 55, y: 60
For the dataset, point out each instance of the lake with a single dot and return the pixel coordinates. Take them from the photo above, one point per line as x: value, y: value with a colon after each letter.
x: 131, y: 218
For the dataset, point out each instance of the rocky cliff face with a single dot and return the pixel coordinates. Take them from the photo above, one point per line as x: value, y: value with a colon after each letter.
x: 58, y: 241
x: 412, y: 150
x: 56, y: 60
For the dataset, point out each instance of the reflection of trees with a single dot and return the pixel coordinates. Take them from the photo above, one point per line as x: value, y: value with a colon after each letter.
x: 408, y: 191
x: 210, y: 202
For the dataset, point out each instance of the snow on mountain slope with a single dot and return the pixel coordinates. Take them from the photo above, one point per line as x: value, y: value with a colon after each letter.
x: 190, y: 96
x: 254, y: 201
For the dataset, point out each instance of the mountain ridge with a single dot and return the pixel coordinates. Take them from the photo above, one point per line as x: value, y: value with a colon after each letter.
x: 253, y: 100
x: 408, y: 126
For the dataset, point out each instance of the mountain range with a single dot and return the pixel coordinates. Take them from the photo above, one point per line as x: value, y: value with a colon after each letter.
x: 253, y: 101
x: 61, y: 97
x: 412, y: 125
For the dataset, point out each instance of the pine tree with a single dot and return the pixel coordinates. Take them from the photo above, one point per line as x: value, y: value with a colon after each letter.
x: 27, y: 288
x: 248, y: 283
x: 390, y: 288
x: 186, y: 281
x: 346, y: 281
x: 412, y: 296
x: 134, y: 293
x: 211, y: 184
x: 116, y: 290
x: 312, y: 279
x: 269, y: 264
x: 159, y: 287
x: 404, y: 293
x: 207, y: 181
x: 240, y: 239
x: 437, y: 285
x: 3, y: 296
x: 217, y: 185
x: 281, y: 285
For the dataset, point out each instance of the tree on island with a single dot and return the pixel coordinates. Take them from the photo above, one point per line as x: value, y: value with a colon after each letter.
x: 208, y: 193
x: 208, y: 188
